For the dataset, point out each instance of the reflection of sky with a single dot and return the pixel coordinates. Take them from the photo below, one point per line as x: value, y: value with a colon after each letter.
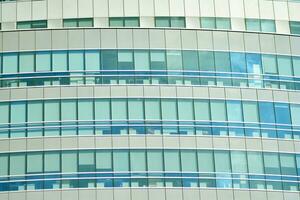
x: 253, y: 63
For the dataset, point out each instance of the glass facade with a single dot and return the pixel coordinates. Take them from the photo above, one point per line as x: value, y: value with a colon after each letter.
x: 150, y: 100
x: 185, y: 67
x: 149, y: 168
x: 149, y: 116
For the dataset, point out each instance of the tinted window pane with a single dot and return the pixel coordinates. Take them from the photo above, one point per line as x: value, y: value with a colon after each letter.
x: 284, y: 65
x: 218, y: 110
x: 85, y: 23
x: 52, y: 111
x: 59, y: 61
x: 162, y: 22
x: 190, y: 60
x: 131, y: 22
x: 17, y: 164
x: 222, y: 161
x: 141, y: 60
x: 239, y: 162
x: 268, y: 25
x: 86, y: 161
x: 266, y: 112
x: 4, y: 165
x: 295, y: 110
x: 206, y: 161
x: 169, y: 109
x: 282, y: 112
x: 119, y: 109
x: 158, y: 60
x: 125, y: 60
x: 69, y: 162
x: 10, y: 63
x: 174, y: 60
x: 92, y: 60
x: 109, y: 60
x: 155, y: 160
x: 121, y: 160
x: 102, y: 109
x: 152, y: 109
x: 253, y: 63
x: 76, y: 61
x: 68, y: 110
x: 253, y: 24
x: 295, y: 27
x: 43, y: 61
x: 271, y: 162
x: 18, y: 112
x: 206, y: 60
x: 135, y: 109
x: 250, y: 112
x: 138, y: 160
x: 222, y: 62
x: 269, y: 64
x: 189, y: 161
x: 202, y: 110
x: 52, y: 162
x: 288, y: 164
x: 185, y: 110
x: 172, y: 162
x: 70, y: 23
x: 4, y: 110
x: 26, y: 62
x: 104, y: 161
x: 35, y: 111
x: 255, y: 163
x: 296, y: 66
x: 223, y: 23
x: 208, y: 22
x: 116, y: 22
x: 34, y: 163
x: 238, y: 62
x: 178, y: 22
x: 234, y: 111
x: 85, y: 110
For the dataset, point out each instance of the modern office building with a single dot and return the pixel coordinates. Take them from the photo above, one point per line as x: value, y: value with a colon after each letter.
x: 150, y: 100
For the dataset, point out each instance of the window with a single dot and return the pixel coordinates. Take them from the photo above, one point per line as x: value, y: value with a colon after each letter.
x: 17, y: 164
x: 282, y: 113
x: 206, y: 60
x: 253, y: 25
x: 239, y: 162
x: 295, y: 27
x: 125, y: 60
x: 223, y: 23
x: 250, y: 112
x: 68, y: 110
x: 266, y: 112
x: 284, y: 65
x: 102, y: 109
x: 43, y: 61
x: 104, y: 161
x: 296, y: 66
x: 155, y: 161
x: 52, y: 162
x: 189, y: 161
x: 174, y: 60
x: 35, y: 111
x: 255, y: 163
x: 141, y: 60
x: 185, y: 110
x: 109, y: 59
x: 135, y: 109
x: 288, y: 164
x: 4, y: 165
x: 4, y: 110
x: 206, y: 161
x: 253, y: 63
x: 18, y: 112
x: 32, y: 24
x: 138, y: 160
x: 268, y: 25
x: 85, y: 110
x: 171, y: 161
x: 208, y: 22
x: 234, y: 111
x: 168, y: 108
x: 34, y: 163
x: 158, y: 60
x: 59, y: 61
x: 84, y: 22
x: 222, y: 161
x: 69, y: 162
x: 152, y: 109
x: 10, y: 63
x: 190, y: 60
x: 124, y: 22
x: 119, y: 109
x: 269, y: 64
x: 202, y: 110
x: 218, y: 110
x: 76, y: 59
x: 92, y: 60
x: 86, y: 161
x: 26, y: 62
x: 238, y: 62
x: 222, y: 62
x: 52, y: 111
x: 272, y: 165
x: 178, y: 22
x: 121, y: 160
x: 295, y: 110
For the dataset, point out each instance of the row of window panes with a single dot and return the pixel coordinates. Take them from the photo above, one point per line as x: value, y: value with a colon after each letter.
x: 260, y: 25
x: 150, y: 109
x: 204, y: 161
x: 143, y: 60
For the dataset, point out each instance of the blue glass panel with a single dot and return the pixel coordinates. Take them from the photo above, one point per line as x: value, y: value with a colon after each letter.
x: 238, y: 62
x: 266, y: 112
x: 282, y: 113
